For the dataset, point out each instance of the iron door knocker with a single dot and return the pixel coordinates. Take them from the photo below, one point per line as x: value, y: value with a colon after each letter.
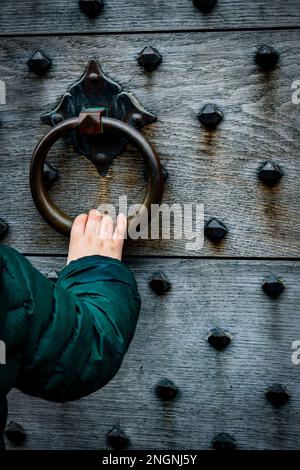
x: 91, y: 122
x: 98, y: 118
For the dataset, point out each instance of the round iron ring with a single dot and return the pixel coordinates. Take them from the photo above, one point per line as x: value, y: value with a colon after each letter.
x: 56, y: 218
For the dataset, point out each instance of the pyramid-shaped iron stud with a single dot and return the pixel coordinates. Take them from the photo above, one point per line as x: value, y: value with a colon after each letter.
x: 277, y: 395
x: 205, y: 5
x: 166, y: 389
x: 3, y: 228
x: 50, y: 174
x: 266, y: 57
x: 215, y: 230
x: 159, y: 283
x: 149, y: 58
x: 91, y: 8
x: 39, y: 63
x: 117, y: 438
x: 269, y: 173
x: 273, y: 286
x: 224, y: 441
x: 218, y: 338
x: 15, y: 433
x: 210, y: 116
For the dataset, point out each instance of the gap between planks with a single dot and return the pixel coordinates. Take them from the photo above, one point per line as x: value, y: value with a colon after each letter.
x: 154, y: 31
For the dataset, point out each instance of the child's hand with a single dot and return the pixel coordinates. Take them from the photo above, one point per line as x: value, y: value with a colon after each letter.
x: 94, y: 234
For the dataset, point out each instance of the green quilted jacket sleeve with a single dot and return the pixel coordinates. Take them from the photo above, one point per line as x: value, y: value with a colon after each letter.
x: 68, y: 339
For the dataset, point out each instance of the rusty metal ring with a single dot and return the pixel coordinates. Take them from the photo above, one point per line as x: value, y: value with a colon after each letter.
x: 56, y: 218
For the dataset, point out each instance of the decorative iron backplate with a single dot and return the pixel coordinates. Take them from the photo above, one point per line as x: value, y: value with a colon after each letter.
x: 95, y: 90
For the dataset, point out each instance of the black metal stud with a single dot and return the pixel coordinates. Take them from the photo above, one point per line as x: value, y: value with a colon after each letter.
x: 53, y: 276
x: 219, y: 338
x: 57, y: 118
x: 270, y: 173
x: 266, y: 57
x: 15, y: 433
x: 224, y: 441
x: 50, y: 174
x: 39, y: 63
x: 3, y: 229
x: 136, y: 120
x: 277, y: 395
x: 210, y: 116
x: 215, y: 230
x: 159, y: 284
x: 117, y: 438
x: 273, y: 286
x: 149, y: 58
x: 205, y: 5
x: 91, y: 8
x: 166, y: 389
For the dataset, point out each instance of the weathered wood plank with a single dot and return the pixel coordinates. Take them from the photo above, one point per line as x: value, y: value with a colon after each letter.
x: 55, y: 16
x: 219, y: 391
x: 217, y: 169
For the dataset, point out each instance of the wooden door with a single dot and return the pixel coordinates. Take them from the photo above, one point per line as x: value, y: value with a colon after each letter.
x: 206, y: 58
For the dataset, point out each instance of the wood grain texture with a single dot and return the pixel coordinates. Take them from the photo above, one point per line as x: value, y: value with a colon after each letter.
x: 55, y: 16
x: 214, y: 168
x: 219, y: 391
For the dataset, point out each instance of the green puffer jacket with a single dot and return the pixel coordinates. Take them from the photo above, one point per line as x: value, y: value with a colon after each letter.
x: 64, y: 340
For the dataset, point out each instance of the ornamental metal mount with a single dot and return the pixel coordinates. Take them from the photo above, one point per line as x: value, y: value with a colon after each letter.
x: 96, y: 90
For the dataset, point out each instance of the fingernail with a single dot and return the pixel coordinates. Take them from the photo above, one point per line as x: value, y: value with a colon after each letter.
x: 94, y: 212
